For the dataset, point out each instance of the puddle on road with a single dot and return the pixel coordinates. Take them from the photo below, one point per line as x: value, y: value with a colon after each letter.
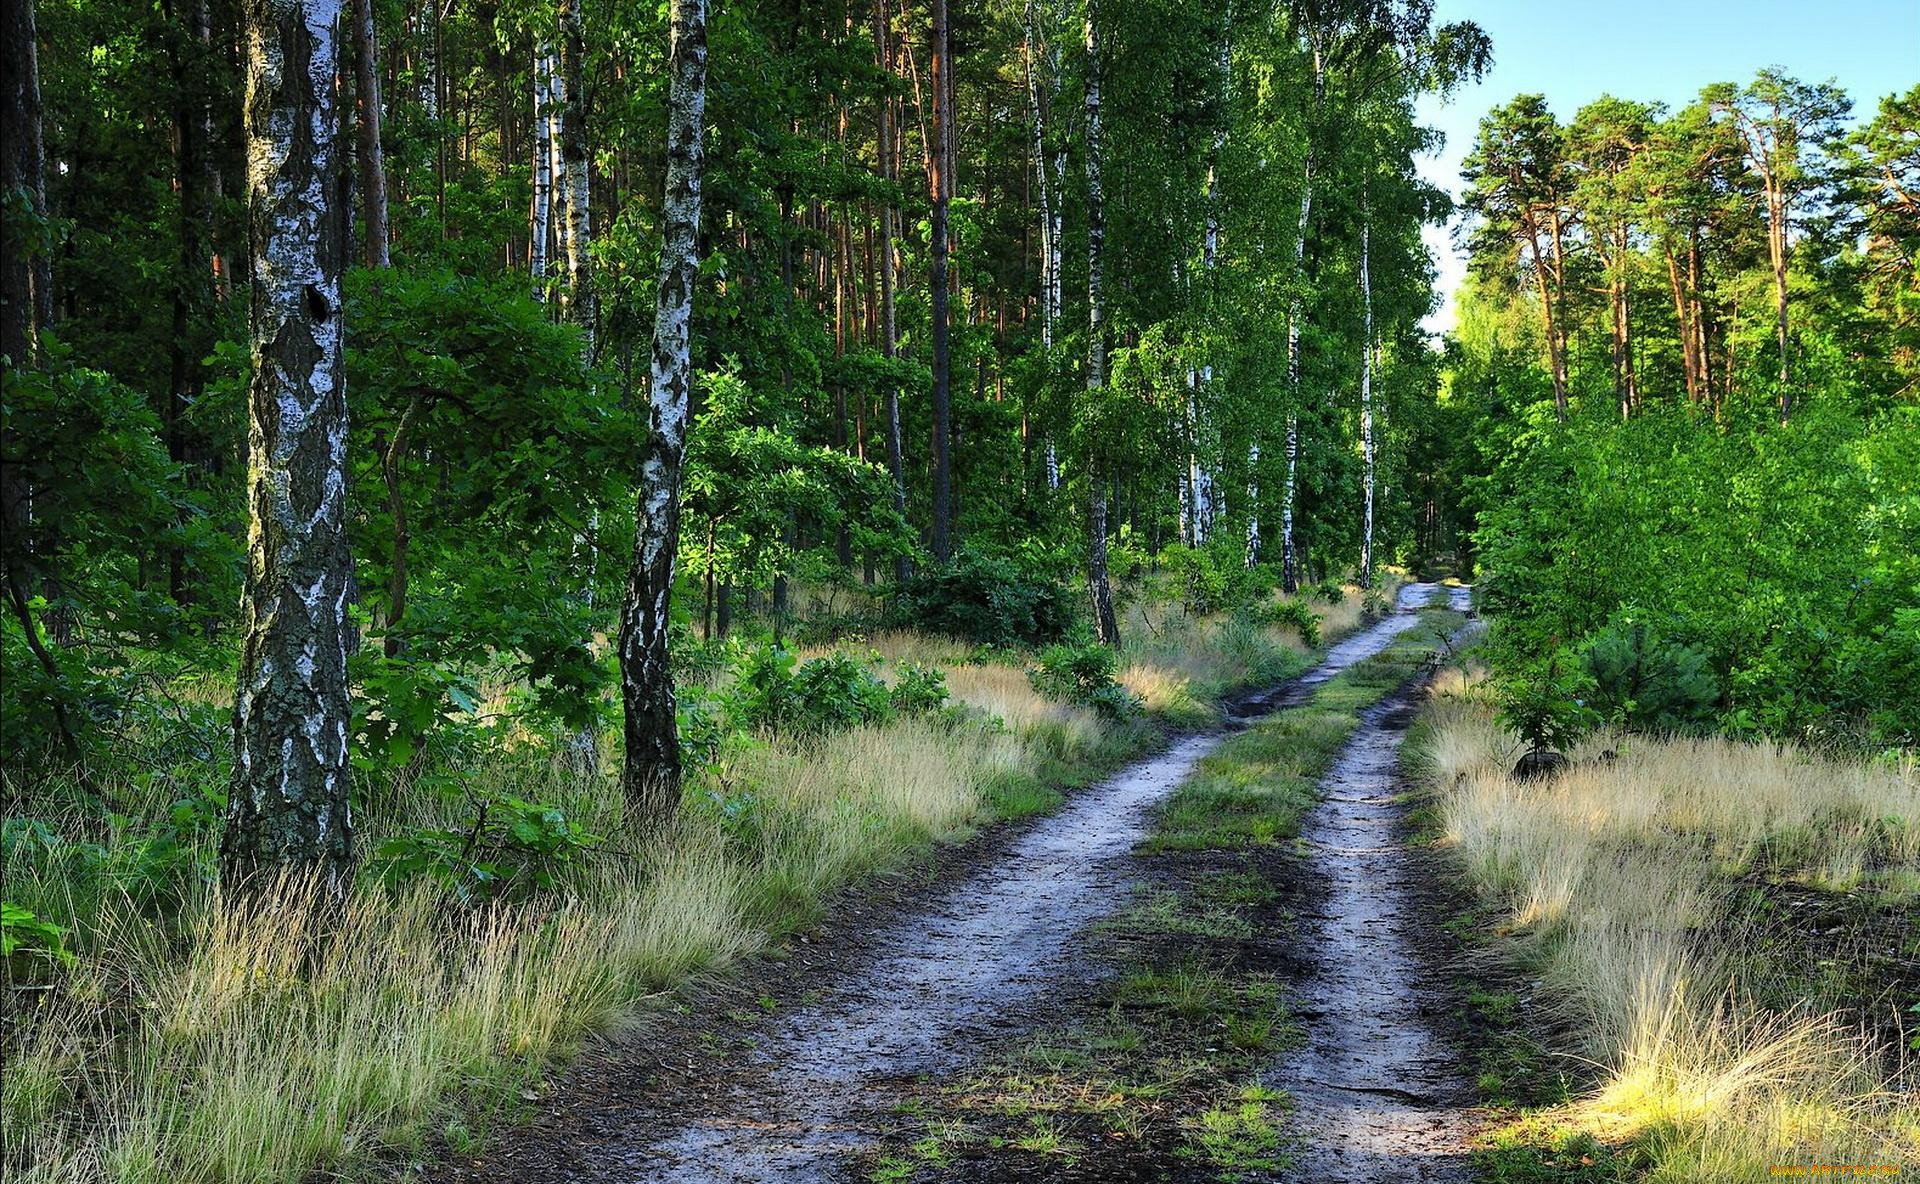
x: 959, y: 972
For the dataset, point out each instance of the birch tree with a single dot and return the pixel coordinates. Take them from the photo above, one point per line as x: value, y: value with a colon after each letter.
x: 289, y: 804
x: 541, y: 234
x: 651, y: 776
x: 1099, y: 587
x: 578, y: 294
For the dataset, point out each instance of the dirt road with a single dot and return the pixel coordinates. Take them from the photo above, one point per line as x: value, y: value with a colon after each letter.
x: 926, y: 991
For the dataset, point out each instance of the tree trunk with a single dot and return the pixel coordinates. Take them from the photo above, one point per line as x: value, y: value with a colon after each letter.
x: 1199, y: 481
x: 889, y: 318
x: 1556, y: 363
x: 651, y: 776
x: 1683, y: 324
x: 1366, y: 397
x: 1289, y: 559
x: 941, y: 192
x: 289, y: 804
x: 1778, y: 249
x: 541, y: 234
x: 579, y: 301
x: 373, y: 165
x: 1099, y: 587
x: 23, y: 291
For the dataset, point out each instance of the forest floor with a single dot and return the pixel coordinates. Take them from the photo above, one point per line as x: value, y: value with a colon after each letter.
x: 1188, y: 970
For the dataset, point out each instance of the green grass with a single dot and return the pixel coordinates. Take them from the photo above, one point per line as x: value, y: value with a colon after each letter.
x: 1163, y: 1062
x: 1253, y: 790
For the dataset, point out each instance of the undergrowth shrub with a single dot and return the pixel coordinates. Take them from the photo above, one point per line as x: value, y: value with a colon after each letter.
x: 992, y: 599
x: 1296, y: 615
x: 1082, y: 671
x: 918, y: 690
x: 774, y: 691
x: 1645, y: 683
x: 509, y: 850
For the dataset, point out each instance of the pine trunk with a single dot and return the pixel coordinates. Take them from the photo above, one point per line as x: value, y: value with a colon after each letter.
x: 941, y: 193
x: 373, y: 165
x: 889, y: 319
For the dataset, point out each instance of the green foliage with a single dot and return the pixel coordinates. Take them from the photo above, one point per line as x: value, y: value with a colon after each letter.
x: 1646, y: 683
x: 985, y: 597
x: 771, y: 690
x: 919, y: 690
x: 30, y: 944
x: 1546, y: 703
x: 1296, y: 615
x: 509, y: 850
x: 1783, y: 556
x: 1081, y: 671
x: 1213, y: 578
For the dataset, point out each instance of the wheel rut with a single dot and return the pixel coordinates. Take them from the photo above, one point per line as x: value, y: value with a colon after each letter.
x: 967, y: 968
x: 1378, y: 1094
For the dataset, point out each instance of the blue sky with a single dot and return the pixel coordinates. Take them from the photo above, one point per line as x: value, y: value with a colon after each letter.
x: 1663, y: 50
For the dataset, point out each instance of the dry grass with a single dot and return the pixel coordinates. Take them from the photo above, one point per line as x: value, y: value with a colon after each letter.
x: 1178, y: 663
x: 1613, y: 879
x: 223, y: 1045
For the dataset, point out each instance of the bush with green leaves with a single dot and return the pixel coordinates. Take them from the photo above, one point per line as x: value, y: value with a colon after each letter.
x: 1213, y: 578
x: 918, y: 690
x: 31, y: 947
x: 985, y: 597
x: 1293, y: 614
x: 510, y: 849
x: 1082, y: 671
x: 1784, y: 555
x: 773, y: 691
x: 1643, y: 682
x: 1546, y: 703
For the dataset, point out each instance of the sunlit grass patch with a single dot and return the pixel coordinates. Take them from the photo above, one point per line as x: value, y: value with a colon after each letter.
x: 1618, y: 883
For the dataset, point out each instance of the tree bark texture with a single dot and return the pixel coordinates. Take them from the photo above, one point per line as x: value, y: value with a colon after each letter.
x: 652, y: 772
x: 289, y: 804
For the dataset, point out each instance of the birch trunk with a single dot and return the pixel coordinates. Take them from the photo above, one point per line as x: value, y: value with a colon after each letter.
x: 1047, y: 175
x: 541, y: 234
x: 373, y: 165
x: 578, y: 300
x: 289, y: 804
x: 1099, y: 587
x: 1199, y: 479
x: 651, y: 776
x: 1289, y: 557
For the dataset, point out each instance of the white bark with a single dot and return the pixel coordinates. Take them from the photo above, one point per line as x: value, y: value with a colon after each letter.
x: 1047, y: 185
x: 1289, y: 560
x: 290, y: 802
x: 542, y: 229
x: 578, y: 296
x: 652, y: 773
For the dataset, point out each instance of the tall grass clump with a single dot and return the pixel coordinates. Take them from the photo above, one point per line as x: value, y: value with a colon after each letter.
x: 1620, y: 883
x: 178, y: 1037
